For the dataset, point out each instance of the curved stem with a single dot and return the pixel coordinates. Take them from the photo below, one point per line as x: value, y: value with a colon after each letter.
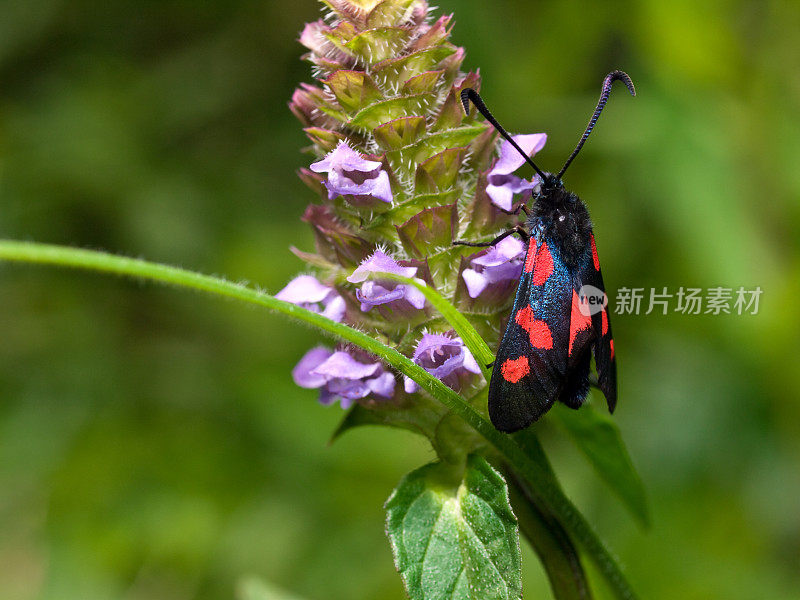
x: 549, y: 540
x: 550, y: 494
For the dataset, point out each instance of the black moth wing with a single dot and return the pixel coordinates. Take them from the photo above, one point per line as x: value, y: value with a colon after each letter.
x: 582, y: 334
x: 532, y: 358
x: 603, y: 341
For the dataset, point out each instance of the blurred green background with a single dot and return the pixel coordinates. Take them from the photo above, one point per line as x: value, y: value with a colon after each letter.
x: 152, y: 443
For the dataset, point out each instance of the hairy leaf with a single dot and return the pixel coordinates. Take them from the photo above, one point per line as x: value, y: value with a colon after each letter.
x: 455, y: 539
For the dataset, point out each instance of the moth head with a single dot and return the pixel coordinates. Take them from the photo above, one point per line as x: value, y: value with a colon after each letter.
x: 550, y: 184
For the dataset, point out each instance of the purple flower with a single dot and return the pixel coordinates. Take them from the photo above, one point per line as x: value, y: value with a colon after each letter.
x: 446, y: 358
x: 373, y: 293
x: 350, y: 173
x: 502, y: 185
x: 306, y: 291
x: 341, y: 376
x: 502, y: 263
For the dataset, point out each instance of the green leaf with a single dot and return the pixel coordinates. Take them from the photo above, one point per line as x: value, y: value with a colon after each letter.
x: 598, y: 437
x: 424, y: 183
x: 340, y: 35
x: 455, y: 538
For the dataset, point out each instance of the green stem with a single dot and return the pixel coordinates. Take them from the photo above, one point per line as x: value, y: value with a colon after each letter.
x: 550, y: 494
x: 556, y: 551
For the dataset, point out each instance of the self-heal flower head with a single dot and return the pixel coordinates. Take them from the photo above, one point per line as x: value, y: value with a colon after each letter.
x: 373, y: 293
x: 501, y: 264
x: 308, y: 292
x: 388, y: 129
x: 446, y: 358
x: 341, y: 376
x: 350, y: 173
x: 502, y: 185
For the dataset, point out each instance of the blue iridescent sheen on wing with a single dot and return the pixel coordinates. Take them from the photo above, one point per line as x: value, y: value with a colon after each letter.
x: 532, y: 357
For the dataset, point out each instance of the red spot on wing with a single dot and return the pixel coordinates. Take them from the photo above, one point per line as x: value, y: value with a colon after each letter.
x: 540, y: 335
x: 538, y: 331
x: 605, y: 321
x: 595, y: 258
x: 530, y: 259
x: 515, y: 369
x: 578, y: 321
x: 611, y: 345
x: 544, y: 265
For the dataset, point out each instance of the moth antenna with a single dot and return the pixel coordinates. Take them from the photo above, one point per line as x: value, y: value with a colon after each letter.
x: 468, y: 94
x: 606, y: 91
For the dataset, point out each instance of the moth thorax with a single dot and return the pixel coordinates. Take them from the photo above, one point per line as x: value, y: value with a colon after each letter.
x: 563, y: 218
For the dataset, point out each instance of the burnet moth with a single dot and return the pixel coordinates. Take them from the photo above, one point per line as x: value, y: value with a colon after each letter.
x: 559, y: 318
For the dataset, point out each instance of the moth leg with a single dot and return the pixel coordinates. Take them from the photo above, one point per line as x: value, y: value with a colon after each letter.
x: 519, y: 229
x: 514, y: 212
